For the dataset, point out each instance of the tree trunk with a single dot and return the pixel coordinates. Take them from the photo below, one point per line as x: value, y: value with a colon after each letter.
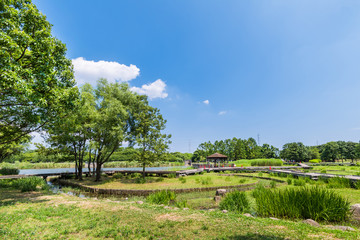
x: 76, y: 169
x: 98, y: 172
x: 143, y: 171
x: 80, y: 171
x: 89, y: 163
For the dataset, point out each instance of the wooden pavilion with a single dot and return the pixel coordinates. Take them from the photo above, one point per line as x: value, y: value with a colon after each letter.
x: 217, y: 158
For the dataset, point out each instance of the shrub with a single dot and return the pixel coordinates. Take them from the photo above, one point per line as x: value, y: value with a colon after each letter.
x: 315, y: 161
x: 260, y: 174
x: 181, y: 204
x: 163, y: 197
x: 323, y: 171
x: 242, y: 180
x: 314, y: 203
x: 117, y: 176
x: 172, y: 175
x: 140, y: 180
x: 29, y: 184
x: 235, y: 201
x: 182, y: 180
x: 266, y: 162
x: 9, y: 171
x: 289, y: 181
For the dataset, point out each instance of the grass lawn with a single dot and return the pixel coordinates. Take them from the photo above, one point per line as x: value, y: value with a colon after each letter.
x: 59, y: 216
x: 193, y: 181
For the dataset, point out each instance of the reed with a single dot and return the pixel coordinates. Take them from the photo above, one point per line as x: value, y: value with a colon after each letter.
x: 316, y: 203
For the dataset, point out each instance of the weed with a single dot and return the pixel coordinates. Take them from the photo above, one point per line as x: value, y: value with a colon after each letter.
x: 182, y: 180
x: 162, y: 197
x: 289, y: 181
x: 235, y: 201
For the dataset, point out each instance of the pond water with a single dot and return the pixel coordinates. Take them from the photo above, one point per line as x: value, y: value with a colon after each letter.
x: 72, y: 170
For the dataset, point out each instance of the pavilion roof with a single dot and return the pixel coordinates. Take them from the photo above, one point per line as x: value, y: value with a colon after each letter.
x: 217, y: 155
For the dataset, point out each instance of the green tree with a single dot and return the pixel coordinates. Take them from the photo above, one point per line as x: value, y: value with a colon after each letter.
x: 152, y: 143
x: 8, y: 150
x: 295, y: 151
x: 36, y: 79
x: 75, y: 131
x: 330, y: 152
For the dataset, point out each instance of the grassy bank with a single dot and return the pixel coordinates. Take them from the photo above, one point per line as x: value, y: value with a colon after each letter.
x: 119, y: 181
x: 48, y: 216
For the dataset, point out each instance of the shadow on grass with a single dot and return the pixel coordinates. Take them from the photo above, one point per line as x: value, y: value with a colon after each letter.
x: 255, y: 236
x: 9, y: 197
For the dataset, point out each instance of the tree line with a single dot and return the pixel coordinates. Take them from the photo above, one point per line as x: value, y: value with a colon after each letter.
x: 331, y: 151
x: 236, y: 148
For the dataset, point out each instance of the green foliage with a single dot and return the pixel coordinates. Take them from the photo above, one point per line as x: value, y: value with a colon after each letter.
x: 162, y: 197
x: 9, y: 171
x: 235, y: 201
x: 182, y: 179
x: 339, y: 182
x: 314, y: 203
x: 273, y: 184
x: 206, y: 181
x: 315, y: 161
x: 323, y: 171
x: 289, y: 181
x: 242, y: 180
x: 295, y: 151
x: 299, y: 182
x: 36, y: 80
x: 29, y: 184
x: 266, y: 162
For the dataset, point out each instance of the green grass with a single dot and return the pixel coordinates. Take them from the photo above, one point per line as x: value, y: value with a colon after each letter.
x: 47, y: 216
x: 193, y: 181
x: 266, y: 162
x: 235, y: 202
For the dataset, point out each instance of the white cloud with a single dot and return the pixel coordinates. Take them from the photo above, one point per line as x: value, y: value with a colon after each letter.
x: 152, y: 90
x: 90, y: 71
x: 222, y: 112
x: 206, y: 102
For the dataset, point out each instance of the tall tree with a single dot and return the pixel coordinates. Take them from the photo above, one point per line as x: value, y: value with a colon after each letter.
x: 149, y: 138
x: 36, y: 79
x: 330, y: 152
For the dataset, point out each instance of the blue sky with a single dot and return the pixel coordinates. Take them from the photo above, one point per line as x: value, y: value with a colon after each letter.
x: 286, y: 70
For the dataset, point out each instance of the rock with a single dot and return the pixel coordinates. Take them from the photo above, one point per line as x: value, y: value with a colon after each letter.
x: 211, y: 210
x: 217, y: 198
x: 140, y: 202
x: 311, y: 222
x: 175, y: 208
x: 167, y: 207
x: 186, y: 208
x: 356, y: 212
x: 344, y: 228
x: 224, y: 211
x: 220, y: 192
x: 274, y: 218
x: 248, y: 215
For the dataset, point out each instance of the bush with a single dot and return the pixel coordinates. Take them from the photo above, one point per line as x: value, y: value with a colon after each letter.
x: 9, y: 171
x: 315, y: 203
x: 315, y: 161
x: 235, y: 201
x: 266, y: 162
x: 323, y: 171
x: 182, y: 180
x: 163, y: 197
x: 242, y: 180
x: 29, y: 184
x: 289, y: 181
